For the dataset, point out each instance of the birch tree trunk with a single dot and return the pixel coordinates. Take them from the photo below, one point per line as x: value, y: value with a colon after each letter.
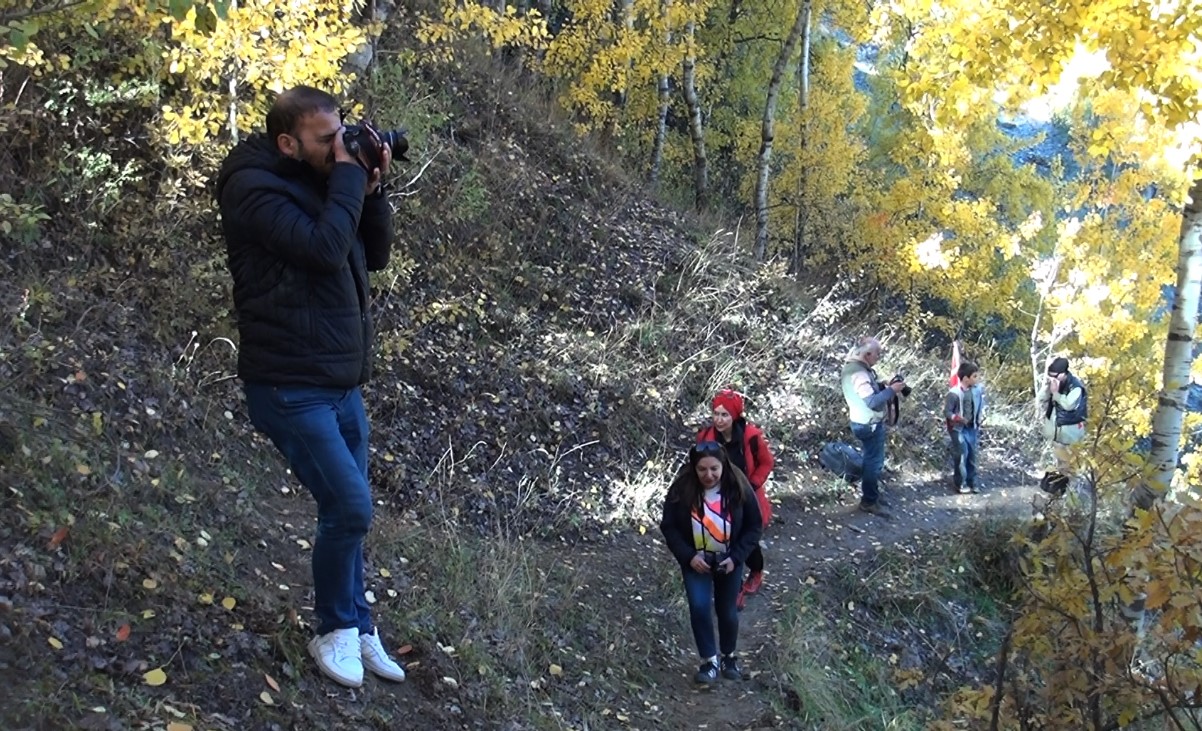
x: 665, y: 103
x: 696, y: 132
x: 623, y: 19
x: 1178, y: 355
x: 768, y: 131
x: 802, y: 216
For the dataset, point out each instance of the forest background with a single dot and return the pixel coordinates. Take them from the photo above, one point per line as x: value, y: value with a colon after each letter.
x: 1013, y: 174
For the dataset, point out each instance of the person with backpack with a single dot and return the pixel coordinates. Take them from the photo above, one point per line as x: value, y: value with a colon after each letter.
x: 962, y: 410
x: 747, y: 449
x: 1064, y: 406
x: 711, y: 523
x: 868, y: 404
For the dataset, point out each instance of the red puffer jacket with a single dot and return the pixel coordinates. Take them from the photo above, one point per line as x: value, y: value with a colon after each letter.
x: 758, y: 458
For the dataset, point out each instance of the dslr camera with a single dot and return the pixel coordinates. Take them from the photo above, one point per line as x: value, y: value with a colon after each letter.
x: 900, y: 377
x: 365, y: 141
x: 715, y: 563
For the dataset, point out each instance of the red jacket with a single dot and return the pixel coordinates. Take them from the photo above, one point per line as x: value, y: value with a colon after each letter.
x: 756, y: 455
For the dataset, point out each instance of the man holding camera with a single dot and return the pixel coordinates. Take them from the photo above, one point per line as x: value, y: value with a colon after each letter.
x: 868, y: 403
x: 1063, y: 406
x: 304, y: 222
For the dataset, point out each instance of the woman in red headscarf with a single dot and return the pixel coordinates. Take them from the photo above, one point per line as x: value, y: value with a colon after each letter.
x: 748, y: 450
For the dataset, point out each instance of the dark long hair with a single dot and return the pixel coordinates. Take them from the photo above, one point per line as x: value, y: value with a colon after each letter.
x: 686, y: 488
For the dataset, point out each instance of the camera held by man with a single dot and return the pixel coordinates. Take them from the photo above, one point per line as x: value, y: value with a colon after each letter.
x: 899, y: 377
x: 366, y: 142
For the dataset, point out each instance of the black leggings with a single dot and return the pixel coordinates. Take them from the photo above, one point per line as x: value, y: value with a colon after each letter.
x: 755, y: 561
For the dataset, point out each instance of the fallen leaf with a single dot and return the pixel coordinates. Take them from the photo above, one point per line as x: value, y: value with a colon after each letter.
x: 229, y: 602
x: 147, y: 613
x: 555, y: 670
x: 150, y: 584
x: 205, y: 598
x: 57, y: 538
x: 176, y: 726
x: 123, y: 633
x: 271, y: 683
x: 151, y: 453
x: 155, y: 677
x: 83, y: 469
x: 56, y: 643
x: 385, y: 573
x: 266, y: 698
x: 405, y: 650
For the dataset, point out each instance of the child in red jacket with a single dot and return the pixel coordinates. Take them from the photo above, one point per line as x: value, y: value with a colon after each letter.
x: 748, y: 450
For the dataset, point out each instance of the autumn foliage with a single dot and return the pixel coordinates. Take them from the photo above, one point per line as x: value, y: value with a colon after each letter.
x: 894, y: 164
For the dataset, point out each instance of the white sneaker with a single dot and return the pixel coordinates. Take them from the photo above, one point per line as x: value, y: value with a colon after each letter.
x: 376, y: 659
x: 337, y: 658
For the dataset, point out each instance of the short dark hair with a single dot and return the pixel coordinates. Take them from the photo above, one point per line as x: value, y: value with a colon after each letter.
x: 288, y: 109
x: 1058, y: 366
x: 967, y: 368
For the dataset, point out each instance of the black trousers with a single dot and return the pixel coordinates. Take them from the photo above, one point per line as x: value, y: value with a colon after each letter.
x: 755, y: 561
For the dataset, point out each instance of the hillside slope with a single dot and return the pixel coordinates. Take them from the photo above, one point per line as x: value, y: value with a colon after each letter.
x: 549, y: 335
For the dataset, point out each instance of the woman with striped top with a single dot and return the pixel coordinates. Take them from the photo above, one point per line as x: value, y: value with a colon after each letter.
x: 711, y: 524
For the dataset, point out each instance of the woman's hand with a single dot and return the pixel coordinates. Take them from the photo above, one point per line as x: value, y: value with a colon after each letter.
x: 726, y: 566
x: 699, y: 564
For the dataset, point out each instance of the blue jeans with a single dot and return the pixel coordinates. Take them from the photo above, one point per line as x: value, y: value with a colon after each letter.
x: 322, y: 432
x: 964, y: 456
x: 872, y: 441
x: 707, y: 593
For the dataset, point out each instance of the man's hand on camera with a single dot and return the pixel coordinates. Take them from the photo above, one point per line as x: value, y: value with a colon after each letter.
x: 699, y: 564
x: 897, y: 386
x: 340, y: 153
x: 726, y: 566
x: 376, y: 177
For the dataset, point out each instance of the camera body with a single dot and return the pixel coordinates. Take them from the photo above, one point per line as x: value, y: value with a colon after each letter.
x: 715, y: 563
x: 360, y: 141
x: 900, y: 377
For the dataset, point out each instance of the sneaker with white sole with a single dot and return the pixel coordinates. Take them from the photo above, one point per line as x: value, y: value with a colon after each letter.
x: 337, y: 656
x: 377, y: 660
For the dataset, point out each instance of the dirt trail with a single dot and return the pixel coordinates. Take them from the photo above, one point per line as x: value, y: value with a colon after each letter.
x: 803, y: 544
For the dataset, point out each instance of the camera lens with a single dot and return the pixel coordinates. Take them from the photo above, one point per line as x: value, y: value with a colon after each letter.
x: 395, y: 138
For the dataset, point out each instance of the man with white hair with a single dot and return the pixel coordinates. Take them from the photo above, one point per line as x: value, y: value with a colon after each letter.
x: 867, y: 403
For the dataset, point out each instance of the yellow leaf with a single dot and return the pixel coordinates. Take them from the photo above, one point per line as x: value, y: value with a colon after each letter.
x: 56, y: 643
x: 150, y: 584
x: 205, y: 598
x: 385, y: 573
x: 83, y: 469
x: 147, y: 613
x: 555, y: 670
x: 1158, y: 594
x: 155, y: 677
x: 176, y: 726
x: 229, y: 602
x: 266, y: 698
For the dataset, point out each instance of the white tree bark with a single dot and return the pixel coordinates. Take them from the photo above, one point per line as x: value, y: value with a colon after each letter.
x: 768, y: 130
x: 801, y: 220
x: 696, y: 131
x: 1178, y: 355
x: 665, y: 103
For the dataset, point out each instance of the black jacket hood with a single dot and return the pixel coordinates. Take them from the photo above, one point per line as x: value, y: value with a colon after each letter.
x: 257, y: 152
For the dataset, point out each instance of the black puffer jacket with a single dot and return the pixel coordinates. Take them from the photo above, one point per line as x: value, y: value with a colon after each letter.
x: 299, y: 247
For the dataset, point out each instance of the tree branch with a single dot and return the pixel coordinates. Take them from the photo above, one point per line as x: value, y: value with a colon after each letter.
x: 32, y: 12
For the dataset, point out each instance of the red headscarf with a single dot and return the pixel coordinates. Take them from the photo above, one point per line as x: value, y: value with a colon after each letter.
x: 731, y: 400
